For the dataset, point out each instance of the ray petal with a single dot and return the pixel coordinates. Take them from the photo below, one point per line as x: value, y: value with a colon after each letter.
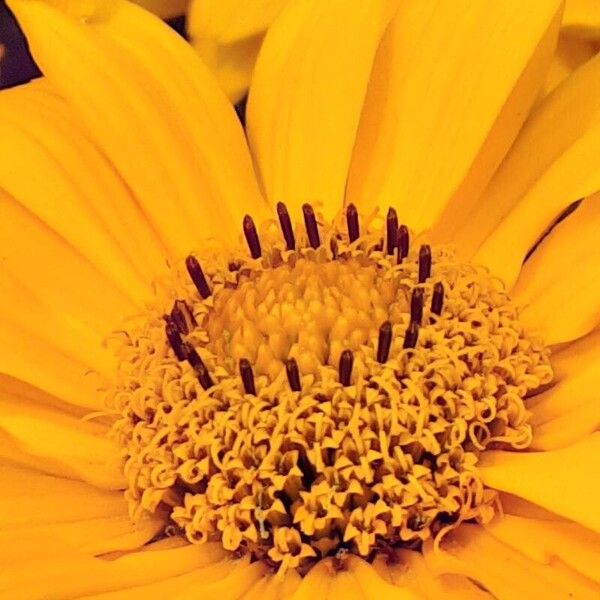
x: 543, y: 541
x: 306, y: 97
x: 561, y: 481
x: 558, y: 286
x: 446, y: 101
x: 553, y: 162
x: 154, y: 110
x: 506, y: 573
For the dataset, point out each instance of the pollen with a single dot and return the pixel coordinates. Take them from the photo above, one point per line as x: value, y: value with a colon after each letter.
x: 320, y: 389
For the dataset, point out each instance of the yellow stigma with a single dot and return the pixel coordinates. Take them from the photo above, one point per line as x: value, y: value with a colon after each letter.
x: 330, y: 392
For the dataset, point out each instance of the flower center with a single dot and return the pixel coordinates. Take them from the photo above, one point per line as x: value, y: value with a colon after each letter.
x: 330, y: 392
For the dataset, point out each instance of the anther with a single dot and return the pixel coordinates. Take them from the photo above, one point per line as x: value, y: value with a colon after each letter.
x: 392, y: 231
x: 293, y: 375
x: 424, y: 262
x: 286, y: 226
x: 416, y: 305
x: 437, y: 301
x: 384, y: 342
x: 352, y: 221
x: 251, y: 236
x: 310, y: 222
x: 198, y: 365
x: 345, y: 369
x: 182, y: 317
x: 197, y: 276
x: 402, y: 242
x: 175, y: 340
x: 412, y: 335
x: 247, y: 376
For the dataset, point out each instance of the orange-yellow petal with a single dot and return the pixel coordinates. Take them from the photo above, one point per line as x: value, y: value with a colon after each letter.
x: 52, y: 441
x: 506, y: 573
x: 544, y: 541
x: 451, y: 85
x: 558, y: 285
x: 562, y: 481
x: 147, y: 101
x: 228, y: 35
x: 554, y: 161
x: 306, y: 97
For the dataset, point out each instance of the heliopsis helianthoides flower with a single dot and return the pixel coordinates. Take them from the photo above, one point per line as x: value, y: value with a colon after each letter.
x: 339, y: 378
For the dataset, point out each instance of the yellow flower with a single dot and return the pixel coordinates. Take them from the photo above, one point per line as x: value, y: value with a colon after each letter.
x: 325, y: 400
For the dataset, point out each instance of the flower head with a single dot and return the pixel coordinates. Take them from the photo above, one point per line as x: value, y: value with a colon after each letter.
x: 351, y: 374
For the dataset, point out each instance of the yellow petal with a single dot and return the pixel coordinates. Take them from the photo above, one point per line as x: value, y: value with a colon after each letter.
x: 46, y: 265
x: 506, y: 573
x: 32, y: 499
x: 307, y: 93
x: 568, y: 411
x: 553, y: 162
x: 451, y: 86
x: 229, y: 21
x: 228, y: 35
x: 582, y: 16
x: 232, y: 64
x: 544, y: 541
x: 372, y: 585
x: 58, y: 443
x: 562, y: 481
x: 569, y: 359
x: 317, y: 583
x: 34, y: 361
x: 52, y: 127
x: 571, y: 52
x: 413, y: 578
x: 513, y: 505
x: 558, y: 286
x: 221, y: 159
x: 32, y: 318
x: 150, y: 105
x: 39, y: 567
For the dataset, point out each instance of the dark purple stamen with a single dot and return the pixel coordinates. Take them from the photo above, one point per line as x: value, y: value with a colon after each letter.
x: 251, y: 236
x: 402, y: 242
x: 416, y: 305
x: 392, y: 231
x: 286, y: 226
x: 310, y: 222
x: 424, y: 263
x: 384, y: 342
x: 197, y: 276
x: 247, y: 376
x: 437, y: 301
x: 182, y: 316
x: 345, y: 369
x: 293, y: 375
x: 175, y: 340
x: 198, y: 365
x: 411, y: 335
x: 352, y: 221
